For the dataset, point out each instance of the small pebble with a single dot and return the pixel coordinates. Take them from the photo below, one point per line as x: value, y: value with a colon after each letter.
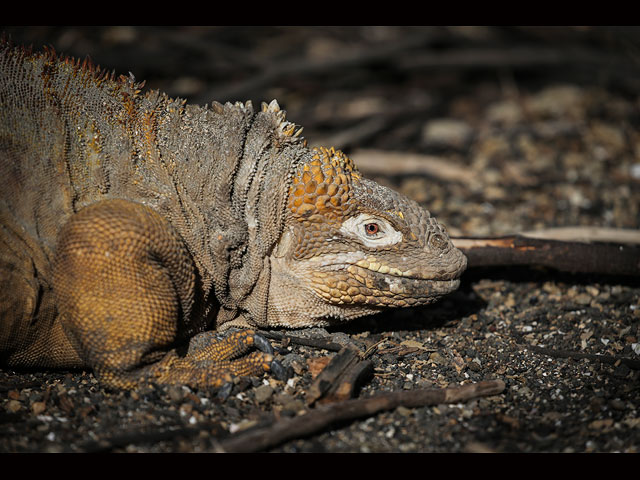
x: 263, y: 393
x: 13, y: 406
x: 38, y: 407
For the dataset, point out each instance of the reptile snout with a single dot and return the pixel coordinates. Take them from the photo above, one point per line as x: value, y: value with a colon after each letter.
x: 458, y: 262
x: 446, y: 261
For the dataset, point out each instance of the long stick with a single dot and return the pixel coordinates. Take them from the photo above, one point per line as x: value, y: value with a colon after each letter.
x: 574, y: 257
x: 323, y: 417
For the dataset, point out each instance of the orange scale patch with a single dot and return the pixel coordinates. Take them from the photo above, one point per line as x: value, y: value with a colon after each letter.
x: 305, y: 209
x: 298, y: 191
x: 322, y: 189
x: 310, y: 186
x: 318, y: 174
x: 321, y: 202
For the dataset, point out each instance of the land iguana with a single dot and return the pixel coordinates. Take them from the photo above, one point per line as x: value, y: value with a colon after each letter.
x: 134, y: 227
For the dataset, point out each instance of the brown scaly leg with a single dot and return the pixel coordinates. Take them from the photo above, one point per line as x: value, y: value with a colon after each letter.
x: 124, y: 285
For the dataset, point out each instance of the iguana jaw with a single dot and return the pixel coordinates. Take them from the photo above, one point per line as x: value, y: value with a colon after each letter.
x: 358, y: 278
x: 368, y: 264
x: 333, y: 287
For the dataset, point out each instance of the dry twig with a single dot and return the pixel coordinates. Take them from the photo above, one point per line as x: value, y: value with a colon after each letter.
x: 574, y: 257
x: 340, y: 378
x: 379, y: 162
x: 328, y: 415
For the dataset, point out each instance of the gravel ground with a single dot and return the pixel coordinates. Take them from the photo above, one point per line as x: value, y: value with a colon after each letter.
x: 544, y: 141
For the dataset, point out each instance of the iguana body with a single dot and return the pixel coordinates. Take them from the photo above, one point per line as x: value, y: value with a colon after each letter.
x: 131, y: 223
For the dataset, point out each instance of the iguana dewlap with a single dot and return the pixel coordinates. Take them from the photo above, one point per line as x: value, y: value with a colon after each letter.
x: 131, y: 223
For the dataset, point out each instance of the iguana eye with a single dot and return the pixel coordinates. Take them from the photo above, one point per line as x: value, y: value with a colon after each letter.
x: 371, y: 231
x: 371, y: 228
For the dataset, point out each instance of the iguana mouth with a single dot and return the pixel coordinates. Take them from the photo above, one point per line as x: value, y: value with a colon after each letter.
x: 416, y: 282
x: 441, y: 276
x: 378, y: 268
x: 357, y: 285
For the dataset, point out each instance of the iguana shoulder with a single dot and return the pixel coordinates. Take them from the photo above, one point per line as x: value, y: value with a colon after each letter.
x: 132, y: 223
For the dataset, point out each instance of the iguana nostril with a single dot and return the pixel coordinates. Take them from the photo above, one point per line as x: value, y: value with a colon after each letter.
x: 438, y: 242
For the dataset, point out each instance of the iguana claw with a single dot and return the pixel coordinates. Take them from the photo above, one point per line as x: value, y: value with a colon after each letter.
x: 262, y: 344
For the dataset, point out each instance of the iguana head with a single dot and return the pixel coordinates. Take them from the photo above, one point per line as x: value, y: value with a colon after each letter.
x: 351, y: 247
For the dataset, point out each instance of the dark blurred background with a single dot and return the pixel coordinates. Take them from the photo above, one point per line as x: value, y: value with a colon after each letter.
x: 539, y: 124
x: 329, y: 78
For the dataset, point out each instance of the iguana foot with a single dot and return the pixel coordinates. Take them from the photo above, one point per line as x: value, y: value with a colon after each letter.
x: 214, y: 362
x: 233, y: 355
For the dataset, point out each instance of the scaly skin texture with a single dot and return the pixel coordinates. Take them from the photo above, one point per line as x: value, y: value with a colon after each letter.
x: 134, y: 227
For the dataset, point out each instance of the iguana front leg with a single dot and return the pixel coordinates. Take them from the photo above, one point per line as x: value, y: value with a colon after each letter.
x: 124, y: 285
